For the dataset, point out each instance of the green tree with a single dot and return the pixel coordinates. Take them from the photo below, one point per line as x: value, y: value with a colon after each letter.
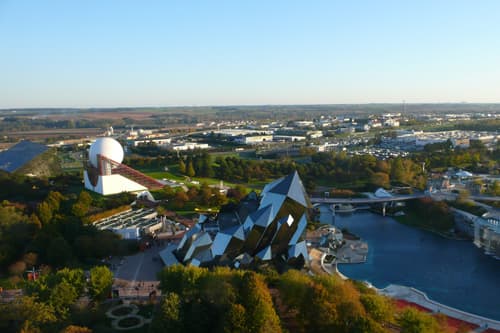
x: 495, y: 188
x: 379, y: 307
x: 168, y: 318
x: 182, y: 167
x: 62, y: 296
x: 255, y: 297
x: 45, y: 212
x: 190, y: 169
x: 414, y: 321
x: 235, y: 319
x: 81, y: 207
x: 100, y: 282
x: 27, y: 309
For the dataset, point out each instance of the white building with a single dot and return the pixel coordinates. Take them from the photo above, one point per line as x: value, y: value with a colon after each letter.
x: 105, y: 173
x: 190, y: 146
x: 254, y: 139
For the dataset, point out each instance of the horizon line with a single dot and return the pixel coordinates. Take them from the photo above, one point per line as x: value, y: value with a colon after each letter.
x: 240, y: 105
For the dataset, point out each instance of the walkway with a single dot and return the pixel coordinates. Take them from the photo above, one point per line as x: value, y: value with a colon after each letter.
x: 420, y: 298
x: 366, y: 200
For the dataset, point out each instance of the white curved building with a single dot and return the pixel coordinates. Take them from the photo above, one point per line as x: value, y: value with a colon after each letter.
x: 105, y: 173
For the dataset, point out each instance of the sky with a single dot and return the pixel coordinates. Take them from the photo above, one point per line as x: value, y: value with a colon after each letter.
x: 109, y: 53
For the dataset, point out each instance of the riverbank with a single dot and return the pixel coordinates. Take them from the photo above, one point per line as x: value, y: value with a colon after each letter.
x: 412, y: 220
x: 418, y: 297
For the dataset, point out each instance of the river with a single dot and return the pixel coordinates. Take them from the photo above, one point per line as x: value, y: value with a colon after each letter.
x: 452, y: 272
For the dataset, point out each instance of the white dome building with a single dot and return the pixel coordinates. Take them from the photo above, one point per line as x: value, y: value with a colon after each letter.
x: 105, y: 173
x: 107, y: 147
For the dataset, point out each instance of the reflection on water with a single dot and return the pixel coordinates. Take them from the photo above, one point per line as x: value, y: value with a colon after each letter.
x: 455, y: 273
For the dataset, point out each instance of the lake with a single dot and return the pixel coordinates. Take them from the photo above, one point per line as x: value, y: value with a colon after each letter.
x: 455, y: 273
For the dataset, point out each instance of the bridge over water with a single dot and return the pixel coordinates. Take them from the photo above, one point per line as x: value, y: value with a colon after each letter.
x: 318, y: 200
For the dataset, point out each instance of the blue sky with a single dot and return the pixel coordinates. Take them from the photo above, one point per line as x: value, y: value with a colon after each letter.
x: 106, y: 53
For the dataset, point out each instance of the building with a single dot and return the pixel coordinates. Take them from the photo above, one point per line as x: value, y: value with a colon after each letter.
x: 190, y: 146
x: 161, y: 142
x: 132, y: 224
x: 391, y: 122
x: 487, y: 233
x: 269, y: 228
x: 254, y: 139
x: 105, y: 174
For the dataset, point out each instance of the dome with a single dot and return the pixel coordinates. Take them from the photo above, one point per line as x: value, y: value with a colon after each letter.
x: 107, y: 147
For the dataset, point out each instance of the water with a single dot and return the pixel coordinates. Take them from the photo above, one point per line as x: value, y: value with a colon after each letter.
x: 455, y: 273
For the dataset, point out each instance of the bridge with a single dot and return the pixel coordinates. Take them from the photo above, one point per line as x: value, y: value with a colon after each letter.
x: 366, y: 200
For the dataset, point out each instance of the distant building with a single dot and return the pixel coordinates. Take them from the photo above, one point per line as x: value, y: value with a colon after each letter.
x: 162, y: 142
x: 288, y: 138
x: 189, y: 146
x: 254, y: 139
x: 391, y: 122
x: 304, y: 123
x: 314, y: 134
x: 461, y: 142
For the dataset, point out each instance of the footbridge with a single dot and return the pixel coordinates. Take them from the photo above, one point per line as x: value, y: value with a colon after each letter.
x: 317, y: 200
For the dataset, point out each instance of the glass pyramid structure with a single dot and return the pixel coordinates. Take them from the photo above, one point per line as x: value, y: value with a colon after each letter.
x: 266, y: 228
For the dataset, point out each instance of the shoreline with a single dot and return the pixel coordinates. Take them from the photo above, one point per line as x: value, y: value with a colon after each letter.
x: 421, y: 298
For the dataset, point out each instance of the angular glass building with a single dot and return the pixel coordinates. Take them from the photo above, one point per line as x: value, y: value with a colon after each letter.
x: 267, y: 228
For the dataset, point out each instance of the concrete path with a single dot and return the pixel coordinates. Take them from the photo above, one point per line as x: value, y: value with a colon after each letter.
x: 420, y: 298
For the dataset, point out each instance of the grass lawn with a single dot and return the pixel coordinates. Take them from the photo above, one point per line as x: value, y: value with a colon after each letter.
x: 174, y: 174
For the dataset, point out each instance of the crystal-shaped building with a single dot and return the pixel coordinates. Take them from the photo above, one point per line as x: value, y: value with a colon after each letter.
x: 270, y: 227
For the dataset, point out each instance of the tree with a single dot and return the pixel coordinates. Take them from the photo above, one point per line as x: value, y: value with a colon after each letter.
x: 169, y: 317
x: 27, y: 308
x: 380, y: 179
x: 379, y: 307
x: 59, y: 252
x: 61, y: 297
x: 81, y: 207
x: 45, y: 212
x: 255, y: 297
x: 180, y: 199
x: 413, y: 321
x: 495, y: 188
x: 190, y: 169
x: 235, y: 319
x: 76, y: 329
x: 101, y: 280
x: 182, y: 167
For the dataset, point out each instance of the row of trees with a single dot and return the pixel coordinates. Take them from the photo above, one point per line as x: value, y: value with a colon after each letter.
x: 224, y: 300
